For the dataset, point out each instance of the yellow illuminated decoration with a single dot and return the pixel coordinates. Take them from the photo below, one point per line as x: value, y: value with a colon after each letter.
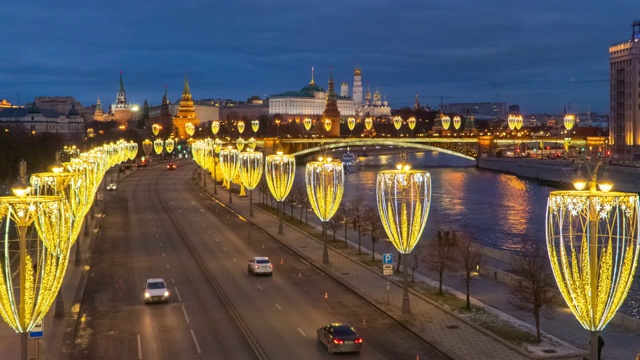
x: 255, y: 125
x: 457, y: 122
x: 215, y: 127
x: 327, y: 124
x: 169, y: 144
x: 251, y: 144
x: 189, y: 128
x: 397, y: 122
x: 280, y: 172
x: 351, y: 123
x: 132, y: 148
x: 155, y: 128
x: 511, y: 121
x: 307, y: 123
x: 229, y: 164
x: 368, y: 123
x: 569, y: 121
x: 446, y: 122
x: 158, y: 146
x: 240, y: 144
x: 412, y: 123
x: 519, y: 122
x: 240, y: 126
x: 251, y: 167
x: 567, y: 144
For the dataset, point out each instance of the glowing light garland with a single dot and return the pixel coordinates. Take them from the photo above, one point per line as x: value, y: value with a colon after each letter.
x: 280, y: 173
x: 147, y: 146
x: 251, y: 167
x: 229, y: 165
x: 457, y: 121
x: 446, y: 122
x: 189, y: 128
x: 569, y: 121
x: 158, y: 146
x: 593, y: 243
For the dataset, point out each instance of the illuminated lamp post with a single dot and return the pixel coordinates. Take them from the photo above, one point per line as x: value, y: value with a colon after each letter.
x: 327, y: 125
x: 215, y: 127
x: 255, y: 125
x: 412, y: 124
x: 351, y: 123
x: 593, y: 242
x: 446, y: 122
x: 251, y: 167
x: 240, y: 144
x: 397, y: 123
x: 519, y: 122
x: 147, y: 146
x: 307, y: 122
x: 569, y: 122
x: 251, y: 144
x: 229, y: 165
x: 280, y: 173
x: 28, y: 291
x: 169, y: 144
x: 404, y: 198
x: 457, y: 121
x: 240, y: 127
x: 511, y: 121
x: 158, y: 147
x: 325, y: 186
x: 217, y: 146
x: 155, y: 129
x: 189, y: 129
x: 368, y: 123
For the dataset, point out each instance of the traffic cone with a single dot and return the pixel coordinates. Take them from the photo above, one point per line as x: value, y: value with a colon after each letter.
x: 281, y: 261
x: 326, y: 295
x: 364, y: 321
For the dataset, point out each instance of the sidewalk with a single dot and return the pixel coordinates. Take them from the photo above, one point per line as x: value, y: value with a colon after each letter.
x: 449, y: 333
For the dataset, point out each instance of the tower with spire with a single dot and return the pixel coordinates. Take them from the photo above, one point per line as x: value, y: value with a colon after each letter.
x: 331, y: 111
x: 98, y: 115
x: 357, y: 86
x: 186, y: 112
x: 121, y: 108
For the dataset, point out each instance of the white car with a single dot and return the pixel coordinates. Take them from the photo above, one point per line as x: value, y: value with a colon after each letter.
x: 112, y: 187
x: 260, y: 265
x: 155, y: 290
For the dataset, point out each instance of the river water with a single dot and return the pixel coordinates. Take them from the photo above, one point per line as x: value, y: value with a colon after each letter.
x: 498, y: 210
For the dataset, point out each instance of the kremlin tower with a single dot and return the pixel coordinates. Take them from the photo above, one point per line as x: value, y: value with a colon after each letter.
x: 99, y: 114
x: 331, y: 111
x: 357, y: 87
x: 121, y: 108
x: 186, y: 112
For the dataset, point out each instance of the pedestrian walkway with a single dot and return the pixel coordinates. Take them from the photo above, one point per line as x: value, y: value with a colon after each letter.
x: 450, y: 333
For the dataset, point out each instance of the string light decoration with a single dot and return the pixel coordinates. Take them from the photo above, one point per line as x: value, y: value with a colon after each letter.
x: 457, y: 121
x: 404, y: 199
x: 446, y: 122
x: 251, y: 167
x: 158, y: 146
x: 147, y: 146
x: 412, y: 123
x: 132, y: 148
x: 240, y: 144
x: 169, y: 144
x: 519, y: 122
x: 217, y: 146
x: 325, y: 186
x: 255, y: 125
x: 368, y: 123
x: 569, y: 121
x: 240, y: 126
x: 351, y: 123
x: 215, y: 127
x: 593, y: 242
x: 511, y: 121
x: 280, y: 173
x: 189, y: 128
x: 251, y: 144
x: 307, y: 123
x: 155, y: 129
x: 397, y: 122
x: 327, y: 124
x: 229, y: 165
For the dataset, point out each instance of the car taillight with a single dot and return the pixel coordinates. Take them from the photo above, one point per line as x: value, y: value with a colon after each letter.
x: 271, y: 266
x: 338, y: 341
x: 358, y: 341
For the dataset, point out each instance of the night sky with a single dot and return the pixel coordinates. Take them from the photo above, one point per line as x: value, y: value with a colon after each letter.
x: 542, y: 55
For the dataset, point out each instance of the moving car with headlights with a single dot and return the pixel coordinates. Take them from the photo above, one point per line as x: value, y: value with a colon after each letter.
x: 260, y: 265
x: 171, y: 166
x: 112, y: 187
x: 155, y: 290
x: 339, y: 337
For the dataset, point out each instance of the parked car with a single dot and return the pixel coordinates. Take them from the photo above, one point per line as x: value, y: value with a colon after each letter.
x: 155, y: 290
x: 260, y: 265
x: 339, y: 337
x: 112, y: 187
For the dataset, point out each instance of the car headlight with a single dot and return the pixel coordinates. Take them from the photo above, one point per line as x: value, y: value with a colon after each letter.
x: 166, y: 294
x: 146, y: 294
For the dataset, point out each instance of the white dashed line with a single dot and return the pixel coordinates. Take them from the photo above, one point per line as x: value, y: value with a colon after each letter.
x: 168, y: 266
x: 278, y: 306
x: 216, y: 240
x: 173, y: 281
x: 162, y: 254
x: 195, y: 341
x: 185, y: 313
x: 139, y: 348
x: 178, y: 294
x: 302, y: 332
x: 259, y: 287
x: 234, y: 259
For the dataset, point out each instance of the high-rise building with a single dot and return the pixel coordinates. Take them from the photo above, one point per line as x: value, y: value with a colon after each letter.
x: 624, y: 79
x: 357, y: 87
x: 344, y: 89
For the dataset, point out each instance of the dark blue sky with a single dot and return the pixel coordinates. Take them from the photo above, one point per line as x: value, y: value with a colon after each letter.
x: 518, y: 52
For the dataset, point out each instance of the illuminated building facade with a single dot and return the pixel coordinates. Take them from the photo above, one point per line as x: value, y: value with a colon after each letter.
x: 186, y: 113
x: 121, y: 109
x: 34, y: 120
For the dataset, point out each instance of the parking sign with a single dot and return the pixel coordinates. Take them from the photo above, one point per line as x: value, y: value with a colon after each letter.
x: 387, y: 259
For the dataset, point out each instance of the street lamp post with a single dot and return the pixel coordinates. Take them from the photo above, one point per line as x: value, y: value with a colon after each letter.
x: 593, y: 241
x: 280, y: 171
x: 229, y: 165
x: 325, y: 187
x: 404, y: 198
x: 251, y: 167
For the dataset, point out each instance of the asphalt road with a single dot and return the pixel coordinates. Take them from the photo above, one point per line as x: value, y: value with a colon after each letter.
x: 159, y: 224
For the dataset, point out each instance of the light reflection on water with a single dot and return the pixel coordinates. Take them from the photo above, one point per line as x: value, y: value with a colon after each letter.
x: 498, y: 210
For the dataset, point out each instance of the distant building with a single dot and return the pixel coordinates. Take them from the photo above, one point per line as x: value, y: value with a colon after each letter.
x: 481, y: 111
x: 624, y: 79
x: 374, y: 107
x: 34, y: 120
x: 331, y: 111
x: 60, y: 104
x: 121, y: 109
x: 251, y: 110
x: 186, y: 113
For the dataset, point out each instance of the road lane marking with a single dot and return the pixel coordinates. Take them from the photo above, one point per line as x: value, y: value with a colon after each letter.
x: 168, y: 266
x: 139, y: 348
x: 185, y: 313
x: 173, y: 281
x: 302, y: 332
x: 162, y: 254
x: 154, y: 229
x: 216, y: 239
x: 160, y: 244
x: 278, y: 306
x: 178, y: 294
x: 224, y: 249
x: 304, y: 261
x: 234, y: 260
x: 193, y: 335
x: 259, y: 287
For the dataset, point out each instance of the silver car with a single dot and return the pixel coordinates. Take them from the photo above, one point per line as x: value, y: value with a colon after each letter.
x: 339, y: 337
x: 260, y: 265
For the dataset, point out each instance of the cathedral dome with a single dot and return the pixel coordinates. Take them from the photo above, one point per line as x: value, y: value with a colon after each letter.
x: 312, y: 88
x: 33, y: 109
x: 73, y: 111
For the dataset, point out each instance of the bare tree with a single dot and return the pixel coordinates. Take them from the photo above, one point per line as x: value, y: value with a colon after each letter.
x: 357, y: 209
x: 442, y: 253
x: 334, y: 223
x: 469, y: 257
x: 375, y: 228
x: 415, y: 255
x: 343, y: 213
x: 536, y: 292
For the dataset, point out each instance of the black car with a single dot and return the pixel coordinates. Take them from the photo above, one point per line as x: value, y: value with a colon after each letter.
x: 340, y: 338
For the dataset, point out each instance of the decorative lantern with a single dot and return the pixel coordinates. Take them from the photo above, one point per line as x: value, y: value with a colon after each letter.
x: 368, y: 123
x: 351, y: 122
x: 307, y: 123
x: 569, y: 121
x: 255, y: 125
x: 147, y: 146
x: 280, y: 172
x: 519, y: 122
x: 240, y: 126
x: 169, y: 144
x: 511, y: 121
x: 397, y: 122
x: 412, y: 123
x: 251, y: 166
x: 251, y: 143
x: 215, y: 127
x: 327, y: 124
x: 446, y: 122
x: 189, y: 129
x: 158, y: 146
x: 240, y: 144
x: 229, y: 165
x: 155, y: 129
x: 457, y: 122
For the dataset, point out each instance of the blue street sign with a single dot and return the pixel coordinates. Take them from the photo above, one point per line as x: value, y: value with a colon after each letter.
x: 37, y: 331
x: 387, y: 259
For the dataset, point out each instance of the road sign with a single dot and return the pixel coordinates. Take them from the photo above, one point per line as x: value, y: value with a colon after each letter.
x: 387, y: 258
x: 37, y: 331
x: 387, y: 269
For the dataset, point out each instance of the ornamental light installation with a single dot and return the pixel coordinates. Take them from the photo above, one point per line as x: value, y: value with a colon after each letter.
x: 446, y: 122
x: 169, y: 144
x: 251, y: 166
x: 351, y: 123
x: 158, y: 146
x: 190, y: 129
x: 147, y: 146
x: 569, y: 121
x: 368, y: 123
x: 457, y: 121
x: 397, y: 123
x: 325, y: 187
x: 593, y: 242
x: 255, y: 125
x: 215, y: 127
x: 511, y: 121
x: 280, y: 172
x: 229, y: 165
x: 519, y: 122
x: 412, y: 124
x: 404, y: 198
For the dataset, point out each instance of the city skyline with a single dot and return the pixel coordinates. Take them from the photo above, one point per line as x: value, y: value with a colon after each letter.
x: 543, y: 59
